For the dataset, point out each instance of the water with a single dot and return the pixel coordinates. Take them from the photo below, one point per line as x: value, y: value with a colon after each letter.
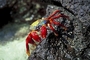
x: 12, y: 42
x: 14, y: 50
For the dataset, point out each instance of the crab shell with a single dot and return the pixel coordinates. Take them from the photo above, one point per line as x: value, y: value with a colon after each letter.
x: 34, y: 24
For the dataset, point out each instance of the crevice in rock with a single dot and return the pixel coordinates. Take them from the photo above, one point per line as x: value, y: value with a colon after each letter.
x: 5, y: 16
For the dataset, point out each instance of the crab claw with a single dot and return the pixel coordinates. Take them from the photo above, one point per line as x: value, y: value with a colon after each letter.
x: 35, y: 36
x: 43, y: 31
x: 28, y: 53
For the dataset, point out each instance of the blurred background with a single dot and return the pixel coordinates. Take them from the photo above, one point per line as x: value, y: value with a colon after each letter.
x: 16, y: 17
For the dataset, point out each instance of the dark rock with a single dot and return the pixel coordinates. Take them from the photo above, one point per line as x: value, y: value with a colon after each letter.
x: 3, y: 3
x: 54, y: 48
x: 5, y: 16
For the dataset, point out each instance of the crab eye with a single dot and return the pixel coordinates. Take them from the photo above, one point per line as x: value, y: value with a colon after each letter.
x: 38, y: 27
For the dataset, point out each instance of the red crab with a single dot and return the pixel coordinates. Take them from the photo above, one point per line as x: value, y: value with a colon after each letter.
x: 36, y: 35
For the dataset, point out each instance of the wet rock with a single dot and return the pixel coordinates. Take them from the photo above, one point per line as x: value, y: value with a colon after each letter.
x: 63, y: 51
x: 54, y: 49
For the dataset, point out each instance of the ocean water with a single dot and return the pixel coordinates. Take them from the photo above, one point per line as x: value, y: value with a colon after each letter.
x: 12, y: 42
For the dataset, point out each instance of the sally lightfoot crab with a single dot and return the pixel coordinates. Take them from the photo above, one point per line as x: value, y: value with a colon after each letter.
x: 39, y: 29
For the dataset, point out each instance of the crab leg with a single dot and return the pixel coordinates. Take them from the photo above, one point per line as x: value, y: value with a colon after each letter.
x: 59, y: 24
x: 35, y: 36
x: 32, y: 38
x: 60, y: 15
x: 43, y: 31
x: 52, y: 21
x: 55, y: 32
x: 56, y: 11
x: 28, y: 40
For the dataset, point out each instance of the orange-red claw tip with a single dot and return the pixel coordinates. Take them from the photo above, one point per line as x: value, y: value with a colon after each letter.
x: 28, y: 53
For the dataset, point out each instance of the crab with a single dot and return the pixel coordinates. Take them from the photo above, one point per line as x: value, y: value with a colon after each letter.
x: 39, y: 29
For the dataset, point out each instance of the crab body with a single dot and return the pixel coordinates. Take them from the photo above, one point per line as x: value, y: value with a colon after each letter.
x: 39, y: 28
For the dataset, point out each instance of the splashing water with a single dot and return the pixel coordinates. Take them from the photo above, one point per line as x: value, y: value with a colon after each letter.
x: 12, y: 45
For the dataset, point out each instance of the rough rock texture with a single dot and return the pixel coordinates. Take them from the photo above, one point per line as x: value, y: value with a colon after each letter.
x: 81, y: 8
x: 80, y: 45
